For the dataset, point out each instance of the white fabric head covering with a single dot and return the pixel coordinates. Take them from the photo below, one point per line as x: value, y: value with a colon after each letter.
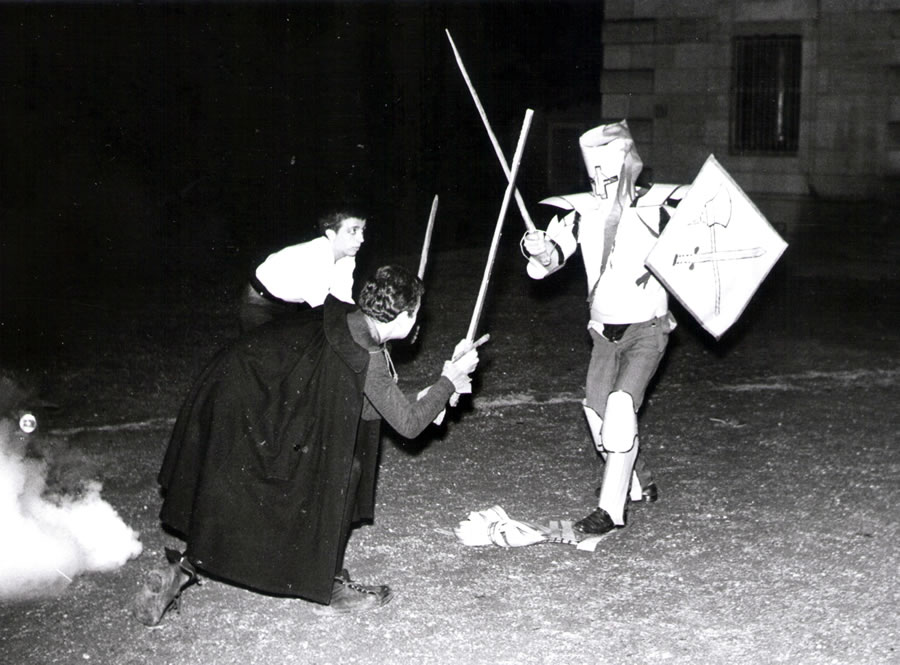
x: 610, y: 157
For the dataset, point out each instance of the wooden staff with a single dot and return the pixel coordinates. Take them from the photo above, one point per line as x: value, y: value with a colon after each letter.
x: 427, y: 244
x: 544, y: 257
x: 487, y: 125
x: 495, y: 242
x: 510, y: 187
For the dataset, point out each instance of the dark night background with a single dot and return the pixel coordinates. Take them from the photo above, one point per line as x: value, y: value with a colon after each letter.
x: 141, y: 139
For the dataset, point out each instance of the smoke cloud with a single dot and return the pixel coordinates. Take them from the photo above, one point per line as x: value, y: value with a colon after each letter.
x: 49, y: 538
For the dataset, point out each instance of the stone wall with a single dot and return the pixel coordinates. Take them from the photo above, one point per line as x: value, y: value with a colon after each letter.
x: 667, y: 68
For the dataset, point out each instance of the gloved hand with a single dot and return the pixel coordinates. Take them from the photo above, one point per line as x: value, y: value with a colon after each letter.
x: 535, y: 242
x: 535, y: 246
x: 458, y: 370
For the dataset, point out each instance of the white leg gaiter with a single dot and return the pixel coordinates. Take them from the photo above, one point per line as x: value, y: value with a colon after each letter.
x: 595, y: 425
x: 620, y: 441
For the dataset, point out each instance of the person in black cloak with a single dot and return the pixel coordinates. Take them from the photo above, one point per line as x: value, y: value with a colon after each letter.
x: 273, y: 455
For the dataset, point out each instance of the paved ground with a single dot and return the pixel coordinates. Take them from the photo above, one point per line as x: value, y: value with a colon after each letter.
x: 775, y: 449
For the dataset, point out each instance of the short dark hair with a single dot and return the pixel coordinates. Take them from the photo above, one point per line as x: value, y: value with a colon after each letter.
x: 335, y: 218
x: 391, y: 291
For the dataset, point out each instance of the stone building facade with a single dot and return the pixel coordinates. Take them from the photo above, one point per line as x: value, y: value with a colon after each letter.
x: 794, y: 97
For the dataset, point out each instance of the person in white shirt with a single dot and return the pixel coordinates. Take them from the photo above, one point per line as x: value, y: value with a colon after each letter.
x: 305, y: 273
x: 616, y: 225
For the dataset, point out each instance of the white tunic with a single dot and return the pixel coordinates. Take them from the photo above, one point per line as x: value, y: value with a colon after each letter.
x: 308, y: 273
x: 626, y: 292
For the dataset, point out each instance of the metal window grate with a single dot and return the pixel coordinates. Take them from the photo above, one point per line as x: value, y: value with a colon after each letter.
x: 766, y: 94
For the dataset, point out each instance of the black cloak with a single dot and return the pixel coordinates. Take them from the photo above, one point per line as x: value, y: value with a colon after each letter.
x: 268, y: 450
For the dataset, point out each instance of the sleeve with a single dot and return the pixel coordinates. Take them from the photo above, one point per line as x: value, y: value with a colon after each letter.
x: 408, y: 417
x: 299, y: 273
x: 341, y: 286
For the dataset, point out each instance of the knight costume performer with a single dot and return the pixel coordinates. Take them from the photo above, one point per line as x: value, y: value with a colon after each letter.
x: 616, y: 225
x: 273, y: 456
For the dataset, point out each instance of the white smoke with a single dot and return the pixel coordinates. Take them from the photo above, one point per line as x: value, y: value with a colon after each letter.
x: 48, y: 539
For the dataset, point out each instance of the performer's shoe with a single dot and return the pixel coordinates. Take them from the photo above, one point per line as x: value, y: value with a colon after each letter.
x: 348, y: 596
x: 163, y: 591
x: 596, y: 524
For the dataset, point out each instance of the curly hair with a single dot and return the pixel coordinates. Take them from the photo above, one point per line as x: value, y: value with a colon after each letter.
x: 334, y: 219
x: 391, y: 291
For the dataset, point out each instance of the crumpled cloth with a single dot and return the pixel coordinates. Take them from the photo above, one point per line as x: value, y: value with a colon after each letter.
x: 492, y: 526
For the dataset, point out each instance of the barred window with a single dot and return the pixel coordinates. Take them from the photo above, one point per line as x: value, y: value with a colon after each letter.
x: 765, y: 116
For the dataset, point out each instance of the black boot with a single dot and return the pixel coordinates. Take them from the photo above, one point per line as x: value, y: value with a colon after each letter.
x: 348, y: 596
x: 163, y: 591
x: 595, y: 524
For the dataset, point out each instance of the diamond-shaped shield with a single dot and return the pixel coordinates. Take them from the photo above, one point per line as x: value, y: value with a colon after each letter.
x: 716, y: 250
